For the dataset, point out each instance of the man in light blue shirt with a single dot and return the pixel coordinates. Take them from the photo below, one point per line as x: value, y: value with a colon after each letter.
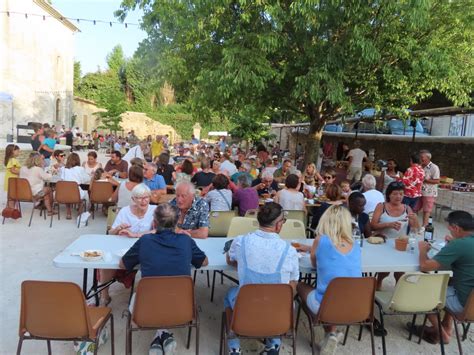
x: 155, y: 182
x: 262, y: 257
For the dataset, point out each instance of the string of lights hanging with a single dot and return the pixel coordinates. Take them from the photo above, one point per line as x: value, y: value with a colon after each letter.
x: 62, y: 18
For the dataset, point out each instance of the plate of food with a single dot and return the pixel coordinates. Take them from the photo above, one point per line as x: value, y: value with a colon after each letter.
x: 376, y: 239
x: 92, y: 255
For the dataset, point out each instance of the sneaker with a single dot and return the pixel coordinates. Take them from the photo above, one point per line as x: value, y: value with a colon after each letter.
x: 330, y: 345
x: 274, y: 350
x: 235, y: 351
x: 168, y: 342
x: 156, y: 348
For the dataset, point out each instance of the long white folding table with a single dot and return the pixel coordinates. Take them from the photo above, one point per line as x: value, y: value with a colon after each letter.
x: 375, y: 258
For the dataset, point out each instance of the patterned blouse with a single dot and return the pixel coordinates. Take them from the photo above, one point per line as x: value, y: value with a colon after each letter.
x: 413, y: 180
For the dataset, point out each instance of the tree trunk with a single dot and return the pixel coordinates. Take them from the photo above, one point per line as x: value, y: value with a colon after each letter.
x: 314, y: 137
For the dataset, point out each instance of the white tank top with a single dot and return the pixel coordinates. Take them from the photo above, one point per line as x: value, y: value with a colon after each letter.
x: 124, y: 196
x: 291, y: 201
x: 390, y: 232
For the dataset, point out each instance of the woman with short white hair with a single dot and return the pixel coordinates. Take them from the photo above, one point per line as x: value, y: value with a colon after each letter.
x: 372, y: 196
x: 132, y: 221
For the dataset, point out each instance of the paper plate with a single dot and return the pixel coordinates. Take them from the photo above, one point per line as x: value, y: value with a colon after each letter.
x: 92, y: 255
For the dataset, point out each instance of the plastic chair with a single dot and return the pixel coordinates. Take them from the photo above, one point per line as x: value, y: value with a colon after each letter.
x: 465, y: 318
x: 111, y: 215
x: 58, y: 311
x: 152, y: 307
x: 241, y: 225
x: 415, y: 293
x: 67, y: 192
x: 261, y: 311
x: 300, y: 215
x: 293, y: 229
x: 219, y: 222
x: 336, y: 309
x: 19, y: 190
x: 100, y: 193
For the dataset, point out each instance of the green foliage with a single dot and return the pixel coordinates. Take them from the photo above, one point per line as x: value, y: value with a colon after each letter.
x: 314, y: 59
x: 113, y: 102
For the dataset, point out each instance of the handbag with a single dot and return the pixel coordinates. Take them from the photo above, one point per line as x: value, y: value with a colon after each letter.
x: 11, y: 212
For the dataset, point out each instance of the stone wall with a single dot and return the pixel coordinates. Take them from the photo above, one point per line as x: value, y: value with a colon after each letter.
x: 455, y: 159
x: 85, y: 110
x: 144, y: 126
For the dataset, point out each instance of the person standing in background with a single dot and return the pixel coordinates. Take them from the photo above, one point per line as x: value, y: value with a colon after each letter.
x: 156, y: 147
x: 429, y: 189
x: 356, y: 157
x: 413, y: 181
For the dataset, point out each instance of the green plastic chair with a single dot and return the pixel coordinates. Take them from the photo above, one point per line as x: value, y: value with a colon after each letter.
x: 293, y: 229
x: 219, y: 222
x: 415, y: 293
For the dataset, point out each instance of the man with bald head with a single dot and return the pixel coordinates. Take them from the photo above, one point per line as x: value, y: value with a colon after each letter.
x: 193, y: 211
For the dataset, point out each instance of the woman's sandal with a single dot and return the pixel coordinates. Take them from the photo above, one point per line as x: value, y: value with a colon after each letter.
x: 52, y: 213
x: 69, y: 217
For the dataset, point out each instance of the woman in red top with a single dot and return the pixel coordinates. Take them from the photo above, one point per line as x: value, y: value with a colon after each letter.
x: 413, y: 181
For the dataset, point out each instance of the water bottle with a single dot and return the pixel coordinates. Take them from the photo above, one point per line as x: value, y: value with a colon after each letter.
x: 356, y: 234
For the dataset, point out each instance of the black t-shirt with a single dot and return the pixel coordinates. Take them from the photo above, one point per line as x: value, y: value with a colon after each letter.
x: 274, y: 186
x: 167, y: 172
x: 69, y: 138
x: 202, y: 179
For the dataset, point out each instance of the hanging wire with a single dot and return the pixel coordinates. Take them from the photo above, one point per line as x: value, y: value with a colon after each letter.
x: 62, y: 18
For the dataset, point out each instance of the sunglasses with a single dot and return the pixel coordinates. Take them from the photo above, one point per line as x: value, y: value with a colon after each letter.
x: 62, y: 155
x: 397, y: 184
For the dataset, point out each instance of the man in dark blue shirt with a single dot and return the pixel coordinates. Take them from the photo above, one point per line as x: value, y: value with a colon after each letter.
x: 165, y: 253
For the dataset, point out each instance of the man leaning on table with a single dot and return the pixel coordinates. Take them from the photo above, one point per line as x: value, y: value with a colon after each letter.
x: 193, y: 211
x: 262, y: 257
x: 165, y: 253
x: 458, y: 256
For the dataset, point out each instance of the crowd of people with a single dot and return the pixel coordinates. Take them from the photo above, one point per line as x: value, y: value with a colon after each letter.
x: 220, y: 177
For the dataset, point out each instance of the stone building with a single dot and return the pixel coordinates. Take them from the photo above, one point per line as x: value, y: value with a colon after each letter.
x: 36, y: 64
x: 84, y: 114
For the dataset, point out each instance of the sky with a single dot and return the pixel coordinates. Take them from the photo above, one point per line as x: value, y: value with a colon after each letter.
x: 94, y: 42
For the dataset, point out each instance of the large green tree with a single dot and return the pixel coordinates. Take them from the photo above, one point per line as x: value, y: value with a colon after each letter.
x: 316, y: 59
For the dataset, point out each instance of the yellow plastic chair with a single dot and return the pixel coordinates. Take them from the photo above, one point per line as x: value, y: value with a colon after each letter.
x: 219, y: 222
x: 293, y: 229
x: 300, y: 215
x: 415, y: 293
x: 241, y: 225
x: 112, y: 213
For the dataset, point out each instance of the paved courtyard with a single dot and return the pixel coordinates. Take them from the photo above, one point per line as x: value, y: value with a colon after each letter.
x: 27, y: 253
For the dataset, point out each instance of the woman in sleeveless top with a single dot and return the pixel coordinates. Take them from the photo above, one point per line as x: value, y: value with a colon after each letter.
x: 392, y: 219
x: 291, y: 198
x: 123, y: 194
x: 390, y: 175
x: 220, y: 197
x: 334, y: 254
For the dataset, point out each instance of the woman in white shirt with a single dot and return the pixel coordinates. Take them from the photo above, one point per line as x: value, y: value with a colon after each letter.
x: 291, y: 198
x: 34, y: 172
x: 73, y: 171
x: 132, y: 221
x: 220, y: 197
x: 91, y: 165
